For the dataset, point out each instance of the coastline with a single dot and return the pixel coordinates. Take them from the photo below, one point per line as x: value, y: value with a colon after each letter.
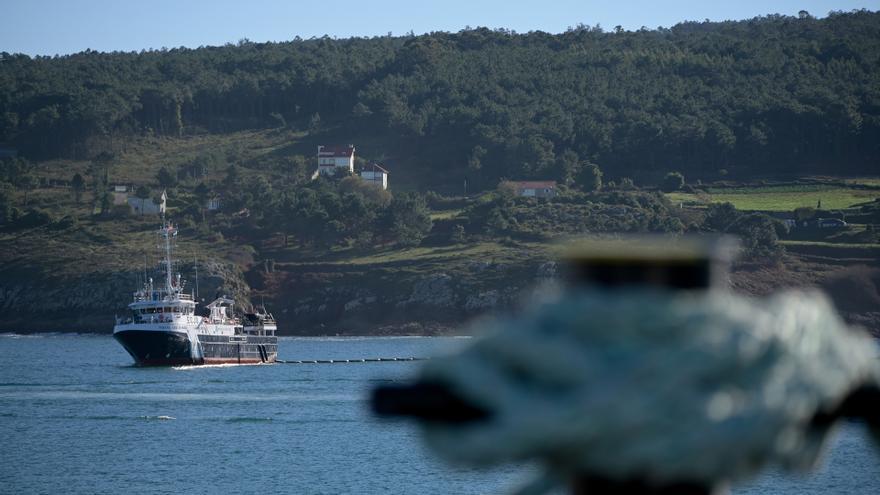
x: 412, y: 329
x: 371, y: 302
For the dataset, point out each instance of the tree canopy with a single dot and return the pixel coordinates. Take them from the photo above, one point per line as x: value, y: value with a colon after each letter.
x: 774, y: 94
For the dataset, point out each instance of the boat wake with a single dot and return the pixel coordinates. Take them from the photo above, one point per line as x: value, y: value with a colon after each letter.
x: 190, y: 367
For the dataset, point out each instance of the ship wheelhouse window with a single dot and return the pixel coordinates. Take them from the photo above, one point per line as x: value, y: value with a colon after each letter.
x: 176, y: 309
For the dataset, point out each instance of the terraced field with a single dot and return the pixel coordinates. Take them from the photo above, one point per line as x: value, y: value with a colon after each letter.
x: 780, y: 198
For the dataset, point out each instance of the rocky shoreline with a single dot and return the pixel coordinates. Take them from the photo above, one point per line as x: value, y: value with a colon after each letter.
x: 377, y: 302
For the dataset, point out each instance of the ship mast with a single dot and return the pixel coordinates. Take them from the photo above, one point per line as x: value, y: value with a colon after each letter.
x: 166, y: 232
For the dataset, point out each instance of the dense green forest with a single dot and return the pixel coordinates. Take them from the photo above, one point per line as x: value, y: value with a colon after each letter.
x: 773, y: 95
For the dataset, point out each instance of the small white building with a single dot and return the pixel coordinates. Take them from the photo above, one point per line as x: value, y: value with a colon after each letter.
x: 213, y: 203
x: 141, y: 206
x: 535, y: 188
x: 376, y: 175
x: 332, y: 159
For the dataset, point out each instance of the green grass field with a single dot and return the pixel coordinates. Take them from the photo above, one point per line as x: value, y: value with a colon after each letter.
x: 445, y: 214
x: 863, y: 181
x: 848, y: 245
x: 779, y: 198
x: 102, y: 245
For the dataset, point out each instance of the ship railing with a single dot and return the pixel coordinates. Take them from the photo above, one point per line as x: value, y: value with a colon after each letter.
x: 185, y: 297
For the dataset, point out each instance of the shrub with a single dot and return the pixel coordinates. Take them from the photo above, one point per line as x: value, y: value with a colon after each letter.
x: 65, y: 222
x: 433, y: 198
x: 673, y: 181
x: 34, y: 218
x: 120, y: 211
x: 804, y: 213
x: 457, y: 236
x: 759, y: 235
x: 407, y: 220
x: 165, y: 178
x: 364, y: 239
x: 720, y: 216
x: 142, y: 192
x: 507, y: 189
x: 590, y: 178
x: 277, y: 120
x: 496, y: 221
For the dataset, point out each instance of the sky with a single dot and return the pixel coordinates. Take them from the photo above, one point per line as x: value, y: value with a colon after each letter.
x: 59, y: 27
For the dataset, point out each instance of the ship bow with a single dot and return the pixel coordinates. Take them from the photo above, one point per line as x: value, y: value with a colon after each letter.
x: 156, y: 348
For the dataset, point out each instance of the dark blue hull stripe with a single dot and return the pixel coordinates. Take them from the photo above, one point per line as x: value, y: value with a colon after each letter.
x: 156, y: 348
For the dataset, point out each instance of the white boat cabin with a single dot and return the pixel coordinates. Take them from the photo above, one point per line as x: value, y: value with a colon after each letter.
x: 220, y: 311
x: 156, y: 306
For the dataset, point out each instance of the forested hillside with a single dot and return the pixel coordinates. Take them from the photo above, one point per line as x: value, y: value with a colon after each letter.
x: 772, y: 96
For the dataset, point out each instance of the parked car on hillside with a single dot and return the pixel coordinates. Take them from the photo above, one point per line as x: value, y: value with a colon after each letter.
x: 831, y: 223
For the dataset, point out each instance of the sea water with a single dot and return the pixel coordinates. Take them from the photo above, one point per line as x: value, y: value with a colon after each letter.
x: 77, y: 417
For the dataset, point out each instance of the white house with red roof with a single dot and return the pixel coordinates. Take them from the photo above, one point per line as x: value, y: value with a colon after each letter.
x: 535, y: 188
x: 375, y: 175
x: 332, y: 159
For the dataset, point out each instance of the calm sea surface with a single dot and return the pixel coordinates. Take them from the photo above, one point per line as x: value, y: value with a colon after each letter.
x: 76, y: 417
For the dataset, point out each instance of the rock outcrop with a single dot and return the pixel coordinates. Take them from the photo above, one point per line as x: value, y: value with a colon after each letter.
x: 33, y: 300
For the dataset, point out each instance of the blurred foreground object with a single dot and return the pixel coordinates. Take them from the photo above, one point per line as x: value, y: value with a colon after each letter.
x: 646, y: 376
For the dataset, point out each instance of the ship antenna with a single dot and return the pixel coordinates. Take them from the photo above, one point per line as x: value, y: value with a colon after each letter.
x: 196, y: 263
x: 167, y: 234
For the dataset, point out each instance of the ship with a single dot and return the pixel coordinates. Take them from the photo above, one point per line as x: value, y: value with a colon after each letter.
x: 163, y: 327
